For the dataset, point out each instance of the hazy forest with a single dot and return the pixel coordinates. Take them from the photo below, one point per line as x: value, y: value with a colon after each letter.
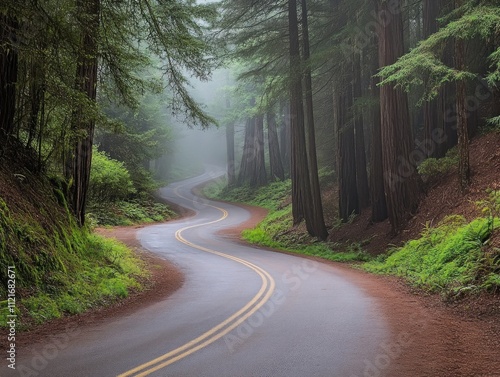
x: 368, y: 129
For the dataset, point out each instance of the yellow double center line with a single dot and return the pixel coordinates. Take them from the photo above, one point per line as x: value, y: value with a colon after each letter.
x: 265, y: 292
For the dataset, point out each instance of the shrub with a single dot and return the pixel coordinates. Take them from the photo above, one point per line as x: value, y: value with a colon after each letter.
x: 449, y: 257
x: 433, y: 167
x: 109, y: 179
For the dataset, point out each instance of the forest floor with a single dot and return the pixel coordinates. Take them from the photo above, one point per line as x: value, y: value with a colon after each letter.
x: 442, y: 197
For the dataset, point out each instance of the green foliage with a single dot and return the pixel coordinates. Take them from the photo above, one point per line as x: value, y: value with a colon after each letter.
x: 141, y: 210
x: 434, y: 167
x: 109, y: 179
x: 61, y: 269
x: 491, y: 206
x: 467, y: 23
x: 276, y: 230
x: 448, y: 258
x: 269, y: 197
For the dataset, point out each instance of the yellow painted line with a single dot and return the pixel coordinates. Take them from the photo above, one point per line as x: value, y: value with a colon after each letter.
x: 265, y: 292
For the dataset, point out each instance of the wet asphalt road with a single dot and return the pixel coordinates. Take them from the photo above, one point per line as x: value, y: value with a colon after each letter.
x: 242, y: 312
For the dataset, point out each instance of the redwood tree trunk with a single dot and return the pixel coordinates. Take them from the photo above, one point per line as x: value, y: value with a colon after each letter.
x: 285, y: 138
x: 377, y: 191
x: 78, y: 170
x: 361, y: 173
x: 462, y: 128
x: 8, y: 76
x: 433, y: 110
x: 301, y: 187
x: 318, y: 218
x: 259, y: 175
x: 248, y: 152
x: 401, y: 182
x: 348, y: 190
x: 231, y: 174
x: 275, y: 162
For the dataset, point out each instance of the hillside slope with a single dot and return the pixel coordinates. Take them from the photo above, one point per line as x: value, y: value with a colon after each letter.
x: 442, y: 198
x: 59, y: 268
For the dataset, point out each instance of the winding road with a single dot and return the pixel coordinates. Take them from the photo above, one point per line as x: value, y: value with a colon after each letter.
x: 242, y: 312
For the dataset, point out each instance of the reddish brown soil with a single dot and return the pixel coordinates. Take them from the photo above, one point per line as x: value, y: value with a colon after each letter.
x: 442, y: 198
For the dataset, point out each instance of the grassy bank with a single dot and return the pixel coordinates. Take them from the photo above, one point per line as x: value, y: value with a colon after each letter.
x: 277, y: 230
x: 60, y: 268
x: 454, y: 257
x: 142, y: 210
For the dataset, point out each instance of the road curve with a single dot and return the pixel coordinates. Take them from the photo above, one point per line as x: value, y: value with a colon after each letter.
x: 242, y: 312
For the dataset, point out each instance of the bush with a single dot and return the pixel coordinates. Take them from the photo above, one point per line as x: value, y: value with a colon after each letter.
x: 449, y: 257
x: 109, y: 179
x: 433, y: 167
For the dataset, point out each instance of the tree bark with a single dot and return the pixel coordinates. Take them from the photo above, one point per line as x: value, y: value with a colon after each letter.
x: 9, y: 65
x: 275, y: 163
x: 348, y: 190
x: 318, y: 219
x: 285, y: 138
x: 301, y: 187
x: 462, y: 128
x: 377, y: 191
x: 361, y: 173
x: 401, y: 182
x: 78, y: 171
x: 248, y: 152
x: 259, y: 175
x: 433, y: 110
x: 231, y: 174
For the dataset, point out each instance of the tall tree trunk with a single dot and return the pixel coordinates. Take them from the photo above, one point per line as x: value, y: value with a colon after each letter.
x: 301, y: 187
x: 37, y: 94
x: 248, y: 155
x: 231, y: 174
x: 318, y: 220
x: 462, y: 128
x: 285, y: 138
x: 377, y: 190
x: 400, y: 177
x: 78, y: 170
x: 433, y: 118
x: 275, y: 163
x: 9, y: 65
x: 361, y: 173
x: 348, y: 190
x: 259, y: 175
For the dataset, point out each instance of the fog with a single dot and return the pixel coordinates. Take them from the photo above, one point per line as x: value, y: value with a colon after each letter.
x: 192, y: 149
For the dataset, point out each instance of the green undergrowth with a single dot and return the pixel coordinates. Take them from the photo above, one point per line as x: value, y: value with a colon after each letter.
x: 454, y: 257
x: 276, y: 230
x: 437, y: 167
x: 123, y: 213
x: 60, y: 268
